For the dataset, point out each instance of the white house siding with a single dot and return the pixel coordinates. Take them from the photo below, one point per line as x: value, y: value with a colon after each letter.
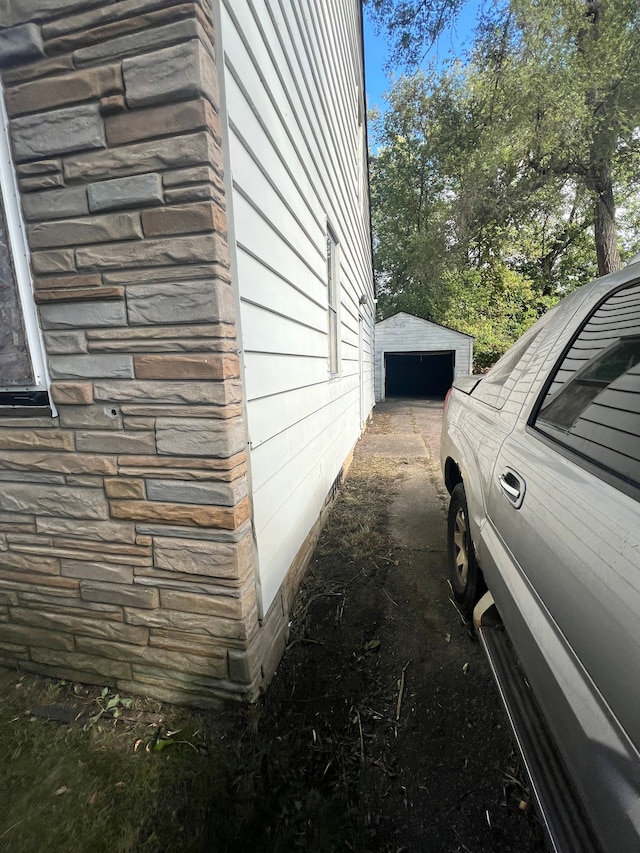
x: 405, y: 333
x: 292, y: 79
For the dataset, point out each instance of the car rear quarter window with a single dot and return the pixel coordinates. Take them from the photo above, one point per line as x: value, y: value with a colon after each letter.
x: 592, y: 405
x: 497, y: 385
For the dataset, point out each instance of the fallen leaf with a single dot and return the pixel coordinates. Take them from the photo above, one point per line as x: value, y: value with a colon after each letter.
x: 93, y: 798
x: 447, y: 638
x: 62, y: 790
x: 465, y: 668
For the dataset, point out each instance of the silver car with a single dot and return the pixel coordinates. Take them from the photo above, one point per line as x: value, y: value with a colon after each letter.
x: 541, y: 457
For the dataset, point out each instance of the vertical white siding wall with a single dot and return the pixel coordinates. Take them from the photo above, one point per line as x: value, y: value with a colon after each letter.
x: 293, y: 88
x: 406, y: 333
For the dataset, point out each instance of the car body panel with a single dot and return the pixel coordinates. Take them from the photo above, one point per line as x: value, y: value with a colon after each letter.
x: 562, y: 561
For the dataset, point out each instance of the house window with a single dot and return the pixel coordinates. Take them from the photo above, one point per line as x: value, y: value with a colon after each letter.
x: 23, y: 374
x: 334, y: 301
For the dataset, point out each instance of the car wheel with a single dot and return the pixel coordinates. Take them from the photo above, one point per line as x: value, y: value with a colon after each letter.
x: 464, y: 573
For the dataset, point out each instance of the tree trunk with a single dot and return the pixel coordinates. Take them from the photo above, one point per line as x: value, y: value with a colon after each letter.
x: 601, y: 184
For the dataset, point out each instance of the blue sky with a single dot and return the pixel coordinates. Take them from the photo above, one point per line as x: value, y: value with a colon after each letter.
x: 449, y: 45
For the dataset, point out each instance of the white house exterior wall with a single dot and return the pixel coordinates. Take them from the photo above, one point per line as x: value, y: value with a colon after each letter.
x: 406, y: 333
x: 292, y: 81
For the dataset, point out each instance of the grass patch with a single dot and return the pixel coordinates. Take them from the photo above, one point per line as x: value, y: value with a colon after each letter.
x: 282, y: 775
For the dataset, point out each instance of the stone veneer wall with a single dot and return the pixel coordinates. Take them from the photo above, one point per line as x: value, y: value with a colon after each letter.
x: 126, y: 555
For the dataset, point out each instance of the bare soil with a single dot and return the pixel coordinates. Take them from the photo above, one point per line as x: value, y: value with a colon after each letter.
x: 382, y: 729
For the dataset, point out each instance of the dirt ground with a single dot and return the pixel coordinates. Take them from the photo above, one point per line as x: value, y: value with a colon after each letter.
x: 381, y: 732
x: 383, y: 695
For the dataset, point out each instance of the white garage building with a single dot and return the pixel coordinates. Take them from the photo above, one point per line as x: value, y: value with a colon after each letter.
x: 418, y: 358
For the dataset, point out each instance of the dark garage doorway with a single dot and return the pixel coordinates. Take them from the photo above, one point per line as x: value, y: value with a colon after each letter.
x: 418, y: 374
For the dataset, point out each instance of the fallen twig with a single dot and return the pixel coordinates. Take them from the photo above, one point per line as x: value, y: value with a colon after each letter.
x: 361, y: 736
x: 401, y: 690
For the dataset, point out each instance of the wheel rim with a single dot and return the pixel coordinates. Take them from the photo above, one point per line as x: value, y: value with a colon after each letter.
x: 460, y: 540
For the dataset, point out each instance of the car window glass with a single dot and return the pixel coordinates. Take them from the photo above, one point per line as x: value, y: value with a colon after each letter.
x: 593, y: 403
x: 496, y: 386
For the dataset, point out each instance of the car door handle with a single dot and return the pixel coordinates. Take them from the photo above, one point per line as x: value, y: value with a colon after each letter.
x: 512, y: 486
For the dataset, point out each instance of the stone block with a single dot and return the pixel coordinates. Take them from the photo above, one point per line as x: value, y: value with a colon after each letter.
x: 57, y: 132
x: 161, y: 393
x: 124, y: 488
x: 29, y: 579
x: 179, y: 641
x: 188, y: 515
x: 17, y: 439
x: 29, y: 477
x: 57, y: 261
x: 57, y: 343
x: 39, y: 68
x: 8, y: 598
x: 216, y: 494
x: 139, y: 125
x: 68, y: 463
x: 121, y: 594
x: 194, y: 533
x: 184, y: 219
x: 98, y: 531
x: 229, y: 607
x: 102, y: 14
x: 131, y: 37
x: 44, y: 182
x: 63, y: 89
x: 84, y: 315
x: 90, y: 417
x: 174, y: 152
x: 195, y: 437
x: 91, y: 481
x: 96, y: 441
x: 53, y: 500
x: 17, y: 562
x: 132, y: 191
x: 201, y: 366
x: 180, y: 302
x: 32, y: 636
x: 98, y: 667
x: 204, y: 699
x: 112, y: 104
x: 188, y: 272
x: 90, y: 366
x: 192, y: 623
x: 19, y: 11
x: 93, y: 570
x: 208, y: 559
x: 175, y: 73
x: 162, y: 658
x: 134, y: 423
x: 194, y: 193
x: 229, y: 468
x: 82, y: 626
x: 41, y: 167
x: 72, y: 393
x: 85, y: 230
x: 19, y: 44
x: 245, y: 666
x: 149, y: 253
x: 78, y: 294
x: 67, y: 282
x: 56, y: 204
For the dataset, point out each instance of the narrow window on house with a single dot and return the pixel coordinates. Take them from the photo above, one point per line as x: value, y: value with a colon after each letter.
x: 23, y: 375
x: 334, y: 301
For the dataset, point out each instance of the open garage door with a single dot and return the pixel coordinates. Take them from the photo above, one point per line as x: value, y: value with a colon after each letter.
x: 418, y: 374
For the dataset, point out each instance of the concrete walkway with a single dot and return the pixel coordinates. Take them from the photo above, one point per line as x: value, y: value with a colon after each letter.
x: 410, y: 430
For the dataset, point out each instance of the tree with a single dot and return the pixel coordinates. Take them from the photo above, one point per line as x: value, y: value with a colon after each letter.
x: 556, y: 98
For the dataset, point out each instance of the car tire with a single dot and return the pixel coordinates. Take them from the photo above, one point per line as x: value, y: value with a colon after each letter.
x: 465, y: 574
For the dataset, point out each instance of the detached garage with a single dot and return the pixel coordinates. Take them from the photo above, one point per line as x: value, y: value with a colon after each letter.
x: 418, y: 358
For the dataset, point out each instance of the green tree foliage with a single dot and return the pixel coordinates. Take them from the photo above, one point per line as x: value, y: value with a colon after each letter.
x: 513, y: 178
